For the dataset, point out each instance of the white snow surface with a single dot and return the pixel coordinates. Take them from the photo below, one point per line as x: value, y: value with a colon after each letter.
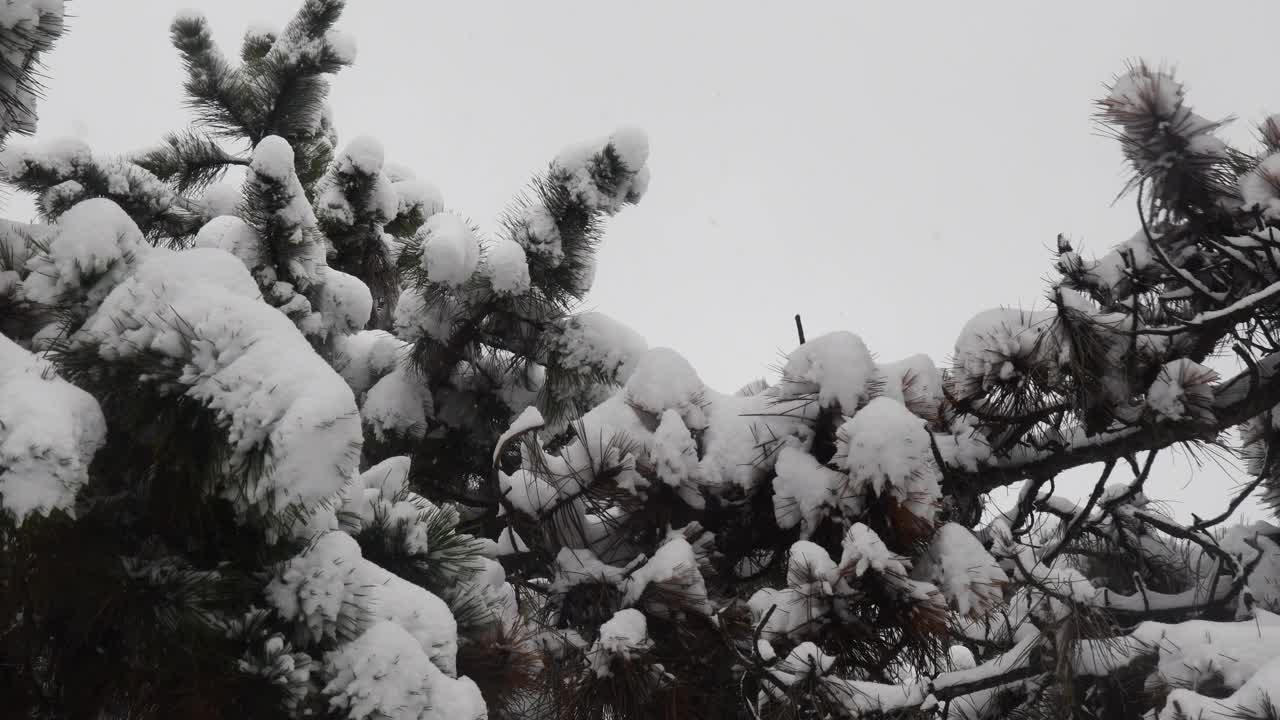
x: 592, y: 342
x: 389, y: 477
x: 576, y: 161
x: 837, y: 367
x: 62, y: 157
x: 888, y: 449
x: 993, y: 342
x: 49, y: 432
x: 804, y: 491
x: 273, y: 158
x: 397, y: 405
x: 958, y: 564
x: 529, y: 419
x: 201, y: 309
x: 343, y: 301
x: 367, y: 356
x: 913, y: 381
x: 363, y: 155
x: 541, y: 234
x: 507, y: 267
x: 94, y: 246
x: 450, y: 249
x: 330, y: 585
x: 674, y: 456
x: 413, y: 194
x: 863, y: 550
x: 675, y: 566
x: 664, y: 380
x: 625, y: 635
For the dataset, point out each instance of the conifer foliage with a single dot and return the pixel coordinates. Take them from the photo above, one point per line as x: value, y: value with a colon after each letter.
x: 313, y: 444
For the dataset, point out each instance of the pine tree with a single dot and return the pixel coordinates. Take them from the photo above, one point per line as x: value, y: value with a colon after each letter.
x: 218, y: 465
x: 318, y: 446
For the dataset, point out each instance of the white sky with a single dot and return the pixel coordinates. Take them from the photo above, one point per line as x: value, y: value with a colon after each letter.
x: 885, y: 168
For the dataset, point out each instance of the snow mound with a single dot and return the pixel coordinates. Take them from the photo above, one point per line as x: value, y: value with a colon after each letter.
x: 836, y: 366
x: 49, y: 432
x: 888, y: 449
x: 93, y: 247
x: 200, y: 310
x: 450, y: 250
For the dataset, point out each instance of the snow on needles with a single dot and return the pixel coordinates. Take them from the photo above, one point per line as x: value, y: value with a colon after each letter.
x: 529, y: 419
x: 577, y: 167
x: 93, y: 247
x: 450, y: 249
x: 23, y: 24
x: 591, y: 343
x: 273, y: 158
x: 624, y: 636
x: 1182, y: 391
x: 201, y: 310
x: 507, y: 267
x: 836, y: 366
x: 49, y: 432
x: 385, y: 673
x: 888, y: 449
x: 963, y: 570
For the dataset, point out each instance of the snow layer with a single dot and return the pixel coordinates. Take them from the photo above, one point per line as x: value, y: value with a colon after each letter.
x: 398, y: 405
x: 593, y: 343
x: 367, y: 356
x: 963, y: 570
x: 93, y: 247
x: 674, y: 455
x: 331, y: 590
x: 201, y: 310
x: 60, y: 158
x: 994, y: 344
x: 529, y: 419
x: 836, y: 366
x: 664, y: 380
x: 913, y: 381
x: 804, y: 491
x: 343, y: 301
x: 49, y: 432
x: 384, y: 673
x: 230, y: 233
x: 624, y: 636
x: 506, y: 267
x: 888, y: 449
x: 540, y: 234
x: 674, y: 567
x: 575, y: 163
x: 450, y: 249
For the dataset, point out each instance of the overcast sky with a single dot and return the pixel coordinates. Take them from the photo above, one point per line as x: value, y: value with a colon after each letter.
x: 885, y: 168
